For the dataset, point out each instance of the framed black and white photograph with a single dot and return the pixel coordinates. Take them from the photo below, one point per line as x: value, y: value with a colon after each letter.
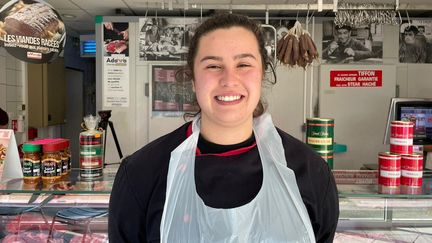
x: 345, y: 44
x: 165, y: 39
x: 415, y: 41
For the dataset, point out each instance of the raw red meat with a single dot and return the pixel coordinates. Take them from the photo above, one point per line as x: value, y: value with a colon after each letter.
x: 29, y: 237
x: 116, y: 46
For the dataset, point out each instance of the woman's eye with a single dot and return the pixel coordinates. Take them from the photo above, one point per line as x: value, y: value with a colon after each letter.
x: 213, y: 67
x: 242, y: 65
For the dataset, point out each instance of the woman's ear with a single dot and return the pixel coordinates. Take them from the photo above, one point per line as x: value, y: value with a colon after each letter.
x: 193, y: 86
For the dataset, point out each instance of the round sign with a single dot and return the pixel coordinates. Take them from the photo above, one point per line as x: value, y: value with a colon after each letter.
x: 31, y: 30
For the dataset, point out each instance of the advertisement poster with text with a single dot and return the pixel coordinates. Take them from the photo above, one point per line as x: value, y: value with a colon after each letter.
x: 116, y: 81
x: 31, y: 30
x: 356, y: 78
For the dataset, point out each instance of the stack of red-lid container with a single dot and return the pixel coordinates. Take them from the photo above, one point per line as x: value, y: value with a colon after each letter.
x: 400, y: 170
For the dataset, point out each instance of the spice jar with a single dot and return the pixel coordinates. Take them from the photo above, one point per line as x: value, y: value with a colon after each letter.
x: 69, y: 155
x: 31, y: 163
x: 51, y: 162
x: 64, y: 157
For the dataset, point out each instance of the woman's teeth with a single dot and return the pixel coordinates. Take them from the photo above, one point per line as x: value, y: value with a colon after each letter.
x: 228, y: 98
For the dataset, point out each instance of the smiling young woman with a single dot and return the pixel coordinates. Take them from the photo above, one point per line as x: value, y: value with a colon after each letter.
x: 229, y: 175
x: 227, y: 81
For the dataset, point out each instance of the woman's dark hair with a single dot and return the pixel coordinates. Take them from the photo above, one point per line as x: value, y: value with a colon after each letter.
x: 4, y: 118
x: 225, y: 21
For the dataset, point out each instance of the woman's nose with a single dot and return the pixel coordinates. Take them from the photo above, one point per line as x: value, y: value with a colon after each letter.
x: 229, y: 77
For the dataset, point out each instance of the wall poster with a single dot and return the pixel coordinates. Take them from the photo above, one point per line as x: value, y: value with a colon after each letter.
x: 345, y: 44
x: 116, y: 81
x: 116, y: 65
x: 171, y: 96
x: 415, y: 41
x: 116, y: 38
x: 165, y: 39
x: 31, y: 30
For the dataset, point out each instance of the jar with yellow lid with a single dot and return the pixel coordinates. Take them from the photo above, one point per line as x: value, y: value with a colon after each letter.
x: 31, y: 163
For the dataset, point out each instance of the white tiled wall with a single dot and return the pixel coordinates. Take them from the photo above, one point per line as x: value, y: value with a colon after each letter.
x: 12, y: 88
x: 13, y: 95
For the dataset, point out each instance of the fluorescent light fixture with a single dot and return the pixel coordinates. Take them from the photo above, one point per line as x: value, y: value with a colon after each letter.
x: 68, y: 16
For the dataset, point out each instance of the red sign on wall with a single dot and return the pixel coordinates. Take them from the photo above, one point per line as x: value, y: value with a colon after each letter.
x: 356, y: 78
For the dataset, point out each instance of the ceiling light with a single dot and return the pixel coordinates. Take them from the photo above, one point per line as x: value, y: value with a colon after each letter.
x: 68, y: 16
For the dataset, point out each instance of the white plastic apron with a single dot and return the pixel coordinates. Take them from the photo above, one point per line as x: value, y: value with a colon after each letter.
x: 276, y: 214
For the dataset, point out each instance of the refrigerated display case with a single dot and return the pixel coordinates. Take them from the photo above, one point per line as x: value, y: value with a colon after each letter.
x: 27, y: 210
x: 365, y: 214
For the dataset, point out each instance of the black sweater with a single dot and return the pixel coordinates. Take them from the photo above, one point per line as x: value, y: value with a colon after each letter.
x: 138, y: 194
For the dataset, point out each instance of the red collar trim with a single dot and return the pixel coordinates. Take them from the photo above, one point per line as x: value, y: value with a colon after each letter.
x: 228, y: 153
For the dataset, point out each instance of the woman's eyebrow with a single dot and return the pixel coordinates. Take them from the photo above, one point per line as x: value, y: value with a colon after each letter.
x: 211, y: 58
x: 239, y: 56
x: 244, y: 55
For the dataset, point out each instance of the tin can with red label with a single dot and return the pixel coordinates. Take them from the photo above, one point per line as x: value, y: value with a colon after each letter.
x: 389, y: 173
x: 412, y: 170
x: 401, y: 137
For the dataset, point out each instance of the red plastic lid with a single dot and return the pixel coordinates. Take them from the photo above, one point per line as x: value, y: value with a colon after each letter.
x: 52, y: 147
x: 44, y: 141
x: 63, y: 143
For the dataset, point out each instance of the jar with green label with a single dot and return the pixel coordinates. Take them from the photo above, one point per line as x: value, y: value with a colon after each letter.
x: 31, y: 163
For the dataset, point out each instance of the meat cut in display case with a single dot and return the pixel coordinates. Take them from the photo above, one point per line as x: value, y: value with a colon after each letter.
x: 71, y: 210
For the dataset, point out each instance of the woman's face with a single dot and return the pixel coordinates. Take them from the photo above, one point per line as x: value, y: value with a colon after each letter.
x: 227, y: 76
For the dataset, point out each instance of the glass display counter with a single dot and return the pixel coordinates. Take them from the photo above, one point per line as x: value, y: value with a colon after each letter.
x: 69, y: 184
x: 27, y: 210
x: 365, y: 214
